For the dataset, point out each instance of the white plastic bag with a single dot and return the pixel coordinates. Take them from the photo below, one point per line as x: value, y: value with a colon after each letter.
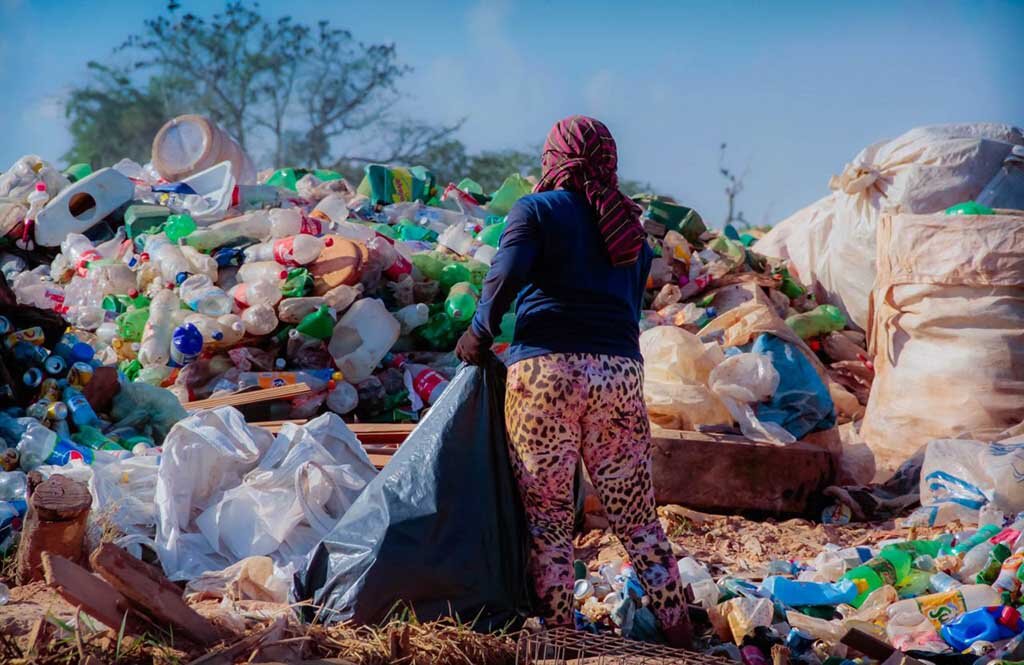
x: 676, y: 369
x: 959, y: 476
x: 228, y: 491
x: 744, y: 379
x: 832, y: 241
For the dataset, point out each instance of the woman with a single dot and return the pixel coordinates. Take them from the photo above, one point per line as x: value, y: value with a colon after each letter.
x: 574, y: 258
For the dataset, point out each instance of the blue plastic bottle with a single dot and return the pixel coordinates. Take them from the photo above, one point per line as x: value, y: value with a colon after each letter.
x: 82, y: 412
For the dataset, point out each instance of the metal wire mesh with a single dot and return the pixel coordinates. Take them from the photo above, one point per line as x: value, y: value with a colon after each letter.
x: 562, y: 646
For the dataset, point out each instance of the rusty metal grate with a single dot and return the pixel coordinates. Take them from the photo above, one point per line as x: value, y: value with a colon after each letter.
x: 562, y: 646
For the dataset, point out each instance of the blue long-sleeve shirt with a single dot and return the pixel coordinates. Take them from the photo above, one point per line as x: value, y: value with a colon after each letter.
x: 569, y: 298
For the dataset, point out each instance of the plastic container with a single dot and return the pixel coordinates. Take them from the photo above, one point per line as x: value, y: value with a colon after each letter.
x: 890, y: 567
x: 940, y: 608
x: 460, y: 304
x: 1006, y: 189
x: 821, y: 320
x: 202, y: 295
x: 343, y: 398
x: 989, y: 624
x: 82, y: 205
x: 191, y: 143
x: 291, y: 251
x: 362, y: 337
x: 155, y: 348
x: 412, y: 316
x: 214, y: 189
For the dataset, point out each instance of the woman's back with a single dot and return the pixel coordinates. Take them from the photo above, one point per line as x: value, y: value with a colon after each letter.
x: 570, y: 298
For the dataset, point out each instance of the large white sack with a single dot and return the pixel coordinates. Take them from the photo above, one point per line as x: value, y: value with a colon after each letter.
x: 947, y: 331
x: 831, y: 243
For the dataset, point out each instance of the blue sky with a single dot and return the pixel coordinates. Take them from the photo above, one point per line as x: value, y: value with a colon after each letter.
x: 795, y: 89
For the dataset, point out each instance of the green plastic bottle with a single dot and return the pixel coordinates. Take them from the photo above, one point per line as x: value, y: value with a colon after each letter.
x: 131, y: 324
x: 76, y: 172
x: 821, y: 320
x: 440, y: 332
x: 789, y: 286
x: 996, y: 557
x: 491, y: 235
x: 318, y: 324
x: 891, y: 567
x: 91, y: 437
x: 461, y: 302
x: 179, y: 226
x: 452, y: 274
x: 981, y: 535
x: 430, y: 264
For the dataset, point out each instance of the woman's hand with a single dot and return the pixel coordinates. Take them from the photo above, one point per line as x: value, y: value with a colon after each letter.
x: 471, y: 348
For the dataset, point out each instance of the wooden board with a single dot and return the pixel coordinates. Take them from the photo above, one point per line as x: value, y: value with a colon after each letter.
x: 723, y: 473
x: 250, y: 397
x: 94, y: 596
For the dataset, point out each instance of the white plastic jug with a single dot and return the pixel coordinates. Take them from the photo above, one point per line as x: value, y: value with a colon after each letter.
x: 362, y: 337
x: 82, y: 205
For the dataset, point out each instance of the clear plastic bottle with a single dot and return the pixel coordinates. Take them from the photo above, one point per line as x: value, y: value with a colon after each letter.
x: 343, y: 399
x: 202, y: 295
x: 249, y: 294
x: 364, y: 334
x: 254, y: 224
x: 262, y: 271
x: 220, y: 332
x: 259, y: 320
x: 170, y: 263
x: 40, y: 445
x: 317, y: 379
x: 78, y: 251
x: 155, y: 348
x: 13, y: 485
x: 1006, y: 189
x: 332, y: 208
x: 30, y: 289
x: 412, y: 317
x: 941, y: 608
x: 291, y: 251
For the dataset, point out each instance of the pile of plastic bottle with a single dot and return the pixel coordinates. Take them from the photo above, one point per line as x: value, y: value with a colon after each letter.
x: 195, y: 279
x: 957, y: 594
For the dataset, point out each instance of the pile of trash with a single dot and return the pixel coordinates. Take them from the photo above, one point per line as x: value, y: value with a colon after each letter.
x: 958, y: 593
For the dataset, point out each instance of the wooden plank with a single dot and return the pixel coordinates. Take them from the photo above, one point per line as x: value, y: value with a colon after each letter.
x: 250, y: 397
x: 90, y: 593
x: 245, y: 646
x: 723, y: 473
x: 151, y: 592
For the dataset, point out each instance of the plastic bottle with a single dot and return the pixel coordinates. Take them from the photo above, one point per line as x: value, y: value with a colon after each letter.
x: 170, y: 263
x: 911, y: 630
x: 990, y: 571
x: 79, y: 251
x: 81, y: 411
x: 891, y: 566
x: 13, y: 485
x: 155, y: 348
x: 460, y: 304
x: 292, y: 251
x: 202, y: 295
x: 262, y: 271
x: 37, y: 201
x: 332, y: 208
x: 221, y: 332
x: 989, y: 624
x: 29, y: 290
x: 981, y: 535
x: 293, y: 310
x: 412, y: 316
x: 821, y: 320
x: 259, y: 320
x: 132, y: 324
x: 975, y: 560
x: 1006, y: 188
x: 186, y: 344
x: 39, y: 446
x: 452, y: 274
x: 1007, y: 579
x: 361, y: 337
x: 941, y: 582
x: 249, y: 294
x: 343, y: 398
x: 424, y: 382
x: 317, y: 379
x: 318, y: 324
x: 940, y: 608
x: 457, y: 238
x: 796, y: 594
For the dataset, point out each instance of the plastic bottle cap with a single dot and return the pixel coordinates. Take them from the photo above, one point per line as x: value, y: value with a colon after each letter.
x: 144, y: 256
x: 328, y: 241
x: 180, y: 277
x: 283, y: 274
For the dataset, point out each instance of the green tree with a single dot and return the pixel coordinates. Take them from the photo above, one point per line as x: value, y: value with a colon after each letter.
x: 110, y: 118
x: 294, y: 93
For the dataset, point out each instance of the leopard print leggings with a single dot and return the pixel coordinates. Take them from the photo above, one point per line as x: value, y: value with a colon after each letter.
x: 557, y: 407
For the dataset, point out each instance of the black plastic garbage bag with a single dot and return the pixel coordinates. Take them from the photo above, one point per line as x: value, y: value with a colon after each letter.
x: 440, y: 530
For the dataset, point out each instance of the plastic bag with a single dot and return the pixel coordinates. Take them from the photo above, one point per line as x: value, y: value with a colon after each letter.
x: 226, y: 491
x: 676, y: 369
x: 512, y: 189
x: 147, y: 409
x: 801, y: 403
x: 441, y: 527
x: 252, y: 578
x: 744, y: 379
x: 959, y: 476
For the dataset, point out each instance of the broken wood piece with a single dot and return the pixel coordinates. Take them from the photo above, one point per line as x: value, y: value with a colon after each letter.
x: 55, y: 523
x: 152, y: 593
x: 245, y: 646
x: 250, y: 397
x: 82, y: 589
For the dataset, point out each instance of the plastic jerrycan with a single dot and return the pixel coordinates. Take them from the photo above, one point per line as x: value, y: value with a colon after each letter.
x: 82, y: 205
x: 362, y: 337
